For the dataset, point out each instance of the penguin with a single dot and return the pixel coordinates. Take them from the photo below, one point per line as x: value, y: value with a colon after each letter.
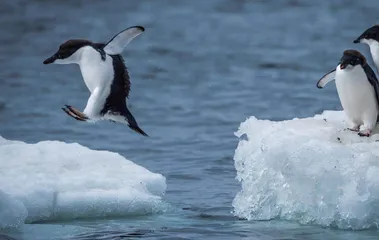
x: 358, y: 91
x: 105, y: 75
x: 371, y: 38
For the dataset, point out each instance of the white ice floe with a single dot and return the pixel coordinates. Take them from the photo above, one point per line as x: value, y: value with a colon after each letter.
x: 54, y: 180
x: 308, y: 170
x: 12, y: 212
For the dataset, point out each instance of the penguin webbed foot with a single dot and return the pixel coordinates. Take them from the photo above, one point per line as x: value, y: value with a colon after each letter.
x: 365, y: 133
x: 74, y: 113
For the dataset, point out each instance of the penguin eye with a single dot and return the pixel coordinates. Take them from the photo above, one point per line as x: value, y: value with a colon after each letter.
x: 63, y: 53
x: 66, y: 53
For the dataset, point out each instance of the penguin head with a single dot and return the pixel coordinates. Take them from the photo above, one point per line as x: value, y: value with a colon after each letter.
x: 352, y: 58
x: 68, y: 52
x: 369, y: 36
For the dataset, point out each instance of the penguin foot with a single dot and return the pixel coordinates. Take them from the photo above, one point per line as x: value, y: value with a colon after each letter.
x: 74, y: 113
x: 365, y: 133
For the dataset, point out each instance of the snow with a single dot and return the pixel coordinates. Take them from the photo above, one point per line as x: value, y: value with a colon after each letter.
x: 52, y: 180
x: 308, y: 170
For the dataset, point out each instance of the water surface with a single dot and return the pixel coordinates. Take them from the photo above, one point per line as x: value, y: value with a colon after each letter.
x: 199, y: 69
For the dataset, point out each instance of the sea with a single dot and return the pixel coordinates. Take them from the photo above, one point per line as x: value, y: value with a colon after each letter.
x: 198, y: 71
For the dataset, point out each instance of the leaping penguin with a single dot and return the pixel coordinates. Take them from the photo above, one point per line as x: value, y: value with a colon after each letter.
x: 105, y: 75
x: 371, y: 38
x: 358, y: 90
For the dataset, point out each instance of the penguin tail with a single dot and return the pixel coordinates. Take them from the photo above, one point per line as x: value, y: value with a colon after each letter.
x: 132, y: 123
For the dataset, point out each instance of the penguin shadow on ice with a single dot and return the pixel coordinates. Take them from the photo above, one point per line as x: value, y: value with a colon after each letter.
x: 105, y: 75
x: 358, y: 91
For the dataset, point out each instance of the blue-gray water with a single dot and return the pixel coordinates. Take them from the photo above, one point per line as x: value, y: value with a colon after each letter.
x: 200, y: 69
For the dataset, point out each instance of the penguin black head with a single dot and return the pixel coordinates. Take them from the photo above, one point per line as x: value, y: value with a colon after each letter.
x: 352, y: 58
x: 371, y: 34
x: 65, y: 53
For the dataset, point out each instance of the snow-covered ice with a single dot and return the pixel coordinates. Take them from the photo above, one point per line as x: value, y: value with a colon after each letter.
x: 308, y: 170
x: 53, y: 180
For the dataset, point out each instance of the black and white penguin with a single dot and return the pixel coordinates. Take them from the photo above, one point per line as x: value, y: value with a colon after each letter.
x: 371, y: 38
x: 358, y: 90
x: 105, y: 75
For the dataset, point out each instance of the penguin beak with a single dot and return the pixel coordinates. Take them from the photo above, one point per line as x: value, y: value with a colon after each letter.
x: 50, y: 59
x: 342, y: 66
x: 357, y: 40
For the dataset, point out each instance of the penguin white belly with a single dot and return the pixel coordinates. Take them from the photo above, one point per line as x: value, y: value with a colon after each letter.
x: 357, y: 96
x: 374, y: 50
x: 375, y: 55
x: 95, y: 71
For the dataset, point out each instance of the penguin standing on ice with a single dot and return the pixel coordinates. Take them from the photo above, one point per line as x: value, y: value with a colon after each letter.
x: 358, y: 90
x: 371, y: 38
x: 105, y: 75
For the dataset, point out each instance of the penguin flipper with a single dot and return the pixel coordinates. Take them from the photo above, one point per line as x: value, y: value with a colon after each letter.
x: 372, y: 79
x: 330, y: 76
x: 117, y: 44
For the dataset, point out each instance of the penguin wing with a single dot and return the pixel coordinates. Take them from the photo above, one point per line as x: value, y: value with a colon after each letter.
x: 117, y: 44
x: 330, y: 76
x: 372, y: 79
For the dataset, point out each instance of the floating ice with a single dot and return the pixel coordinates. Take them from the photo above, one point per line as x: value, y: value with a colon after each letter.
x: 309, y: 170
x: 12, y: 212
x: 59, y: 181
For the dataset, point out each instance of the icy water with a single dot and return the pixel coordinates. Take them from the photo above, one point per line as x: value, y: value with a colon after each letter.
x: 198, y: 71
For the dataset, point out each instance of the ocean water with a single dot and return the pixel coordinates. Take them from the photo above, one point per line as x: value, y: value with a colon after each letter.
x: 197, y: 72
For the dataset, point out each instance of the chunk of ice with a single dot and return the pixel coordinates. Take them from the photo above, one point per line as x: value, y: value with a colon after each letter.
x: 60, y: 181
x: 309, y: 170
